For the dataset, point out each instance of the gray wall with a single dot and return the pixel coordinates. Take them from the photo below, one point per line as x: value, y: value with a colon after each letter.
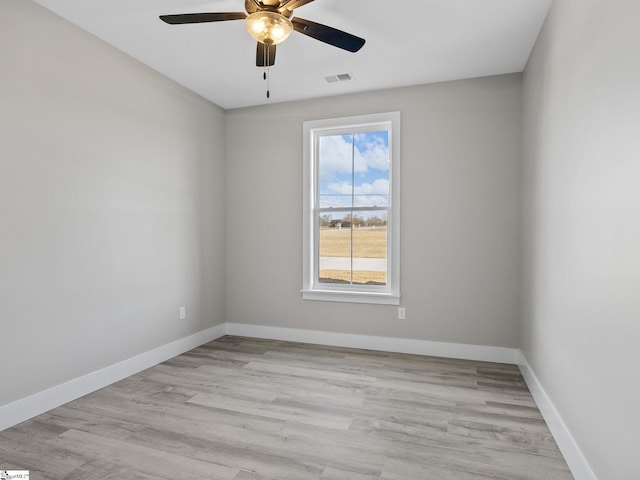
x: 460, y: 214
x: 111, y: 204
x: 581, y: 325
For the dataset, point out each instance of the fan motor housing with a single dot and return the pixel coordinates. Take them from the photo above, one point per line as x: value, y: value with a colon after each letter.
x: 269, y: 6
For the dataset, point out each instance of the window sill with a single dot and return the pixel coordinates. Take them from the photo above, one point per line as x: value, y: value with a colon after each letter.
x: 351, y: 297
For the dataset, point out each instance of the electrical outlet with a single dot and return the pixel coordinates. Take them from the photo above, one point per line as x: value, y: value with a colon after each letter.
x: 183, y: 313
x: 402, y: 313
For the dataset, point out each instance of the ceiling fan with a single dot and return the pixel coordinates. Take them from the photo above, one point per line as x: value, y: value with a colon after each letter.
x: 270, y: 22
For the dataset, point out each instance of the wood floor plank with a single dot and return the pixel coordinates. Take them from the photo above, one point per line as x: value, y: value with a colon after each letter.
x: 140, y: 458
x: 250, y: 409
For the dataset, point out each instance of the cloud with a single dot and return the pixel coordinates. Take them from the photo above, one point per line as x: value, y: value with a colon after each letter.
x: 335, y: 156
x: 373, y: 150
x: 366, y: 194
x: 341, y: 188
x: 379, y: 186
x: 337, y: 153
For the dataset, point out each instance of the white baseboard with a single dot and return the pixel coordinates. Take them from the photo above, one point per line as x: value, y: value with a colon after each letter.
x: 41, y: 402
x: 384, y: 344
x: 568, y: 447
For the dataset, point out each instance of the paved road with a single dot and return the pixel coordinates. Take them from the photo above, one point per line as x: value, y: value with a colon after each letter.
x: 344, y: 263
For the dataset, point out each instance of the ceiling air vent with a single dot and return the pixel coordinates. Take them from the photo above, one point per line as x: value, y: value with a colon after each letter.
x: 342, y: 77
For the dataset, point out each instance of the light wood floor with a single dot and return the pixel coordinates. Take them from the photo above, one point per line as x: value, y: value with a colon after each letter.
x: 247, y: 409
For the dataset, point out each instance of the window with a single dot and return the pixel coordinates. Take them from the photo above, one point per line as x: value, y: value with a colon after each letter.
x: 352, y: 209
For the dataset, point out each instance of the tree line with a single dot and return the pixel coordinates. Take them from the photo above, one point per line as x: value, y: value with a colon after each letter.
x: 348, y: 220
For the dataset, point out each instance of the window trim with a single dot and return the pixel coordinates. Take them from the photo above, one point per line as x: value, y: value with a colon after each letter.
x: 386, y: 295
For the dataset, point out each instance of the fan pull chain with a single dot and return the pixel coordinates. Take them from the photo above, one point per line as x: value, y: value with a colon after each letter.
x: 265, y: 74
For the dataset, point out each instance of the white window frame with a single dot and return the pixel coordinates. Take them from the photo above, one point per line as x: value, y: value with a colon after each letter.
x: 312, y: 289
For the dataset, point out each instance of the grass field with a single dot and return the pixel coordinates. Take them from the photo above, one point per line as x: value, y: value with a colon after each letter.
x: 367, y: 243
x: 360, y: 277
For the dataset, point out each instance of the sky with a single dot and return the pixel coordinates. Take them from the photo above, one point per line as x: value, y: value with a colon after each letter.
x: 354, y: 164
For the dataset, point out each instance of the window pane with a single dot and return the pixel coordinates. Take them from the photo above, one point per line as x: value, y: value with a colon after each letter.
x: 335, y: 170
x: 353, y: 170
x: 334, y: 249
x: 369, y: 238
x: 371, y: 169
x: 353, y: 248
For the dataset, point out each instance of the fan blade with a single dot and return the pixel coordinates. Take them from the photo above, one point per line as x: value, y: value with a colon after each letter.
x: 269, y: 51
x: 329, y: 35
x: 291, y: 5
x: 202, y: 17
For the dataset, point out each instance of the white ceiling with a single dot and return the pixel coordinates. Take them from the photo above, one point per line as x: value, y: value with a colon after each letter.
x: 409, y: 42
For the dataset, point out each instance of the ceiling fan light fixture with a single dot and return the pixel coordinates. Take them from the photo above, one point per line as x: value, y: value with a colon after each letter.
x: 270, y: 28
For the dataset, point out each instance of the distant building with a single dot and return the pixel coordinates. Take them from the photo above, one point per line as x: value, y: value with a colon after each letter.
x: 339, y: 224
